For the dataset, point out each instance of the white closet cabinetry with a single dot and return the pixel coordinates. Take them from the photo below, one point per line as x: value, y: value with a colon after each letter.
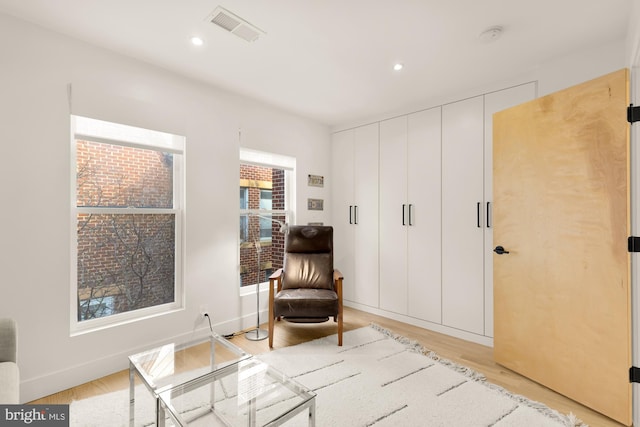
x: 355, y: 212
x: 412, y: 213
x: 462, y: 218
x: 410, y: 235
x: 467, y: 236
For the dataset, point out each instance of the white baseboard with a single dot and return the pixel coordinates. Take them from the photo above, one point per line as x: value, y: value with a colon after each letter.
x: 54, y: 382
x: 447, y: 330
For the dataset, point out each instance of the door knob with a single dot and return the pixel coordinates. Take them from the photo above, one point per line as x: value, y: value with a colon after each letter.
x: 500, y: 250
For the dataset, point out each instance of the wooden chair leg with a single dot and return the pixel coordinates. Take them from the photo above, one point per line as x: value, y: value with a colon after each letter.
x: 271, y: 321
x: 340, y: 329
x: 274, y: 280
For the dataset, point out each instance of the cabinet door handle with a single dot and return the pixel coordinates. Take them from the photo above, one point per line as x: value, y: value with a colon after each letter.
x: 403, y: 214
x: 478, y: 214
x: 355, y: 214
x: 350, y: 215
x: 410, y: 209
x: 488, y: 216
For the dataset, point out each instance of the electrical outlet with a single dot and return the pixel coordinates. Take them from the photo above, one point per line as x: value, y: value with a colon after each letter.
x: 203, y: 311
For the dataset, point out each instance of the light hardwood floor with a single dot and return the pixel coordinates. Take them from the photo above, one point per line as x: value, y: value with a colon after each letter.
x: 475, y: 356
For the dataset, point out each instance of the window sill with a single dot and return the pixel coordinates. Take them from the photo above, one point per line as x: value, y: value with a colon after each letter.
x: 251, y: 289
x: 94, y: 325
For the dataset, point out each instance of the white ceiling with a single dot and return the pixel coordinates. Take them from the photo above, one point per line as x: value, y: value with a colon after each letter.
x: 331, y: 60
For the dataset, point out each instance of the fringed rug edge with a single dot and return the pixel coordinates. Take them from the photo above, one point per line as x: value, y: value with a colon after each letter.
x: 569, y: 420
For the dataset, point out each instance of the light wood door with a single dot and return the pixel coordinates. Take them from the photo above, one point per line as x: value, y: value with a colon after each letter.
x: 462, y: 215
x: 561, y: 193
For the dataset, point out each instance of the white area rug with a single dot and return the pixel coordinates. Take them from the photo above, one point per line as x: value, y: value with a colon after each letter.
x: 376, y: 379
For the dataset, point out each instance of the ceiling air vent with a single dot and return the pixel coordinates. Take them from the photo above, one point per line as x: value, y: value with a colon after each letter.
x: 234, y: 24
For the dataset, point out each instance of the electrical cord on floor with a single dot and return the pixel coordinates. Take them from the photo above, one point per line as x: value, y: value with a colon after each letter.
x: 228, y: 336
x: 235, y: 334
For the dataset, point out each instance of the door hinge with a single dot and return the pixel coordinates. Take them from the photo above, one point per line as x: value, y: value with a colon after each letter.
x: 633, y: 114
x: 634, y: 374
x: 633, y: 244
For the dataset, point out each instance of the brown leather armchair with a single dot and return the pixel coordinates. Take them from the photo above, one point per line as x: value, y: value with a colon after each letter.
x: 308, y: 288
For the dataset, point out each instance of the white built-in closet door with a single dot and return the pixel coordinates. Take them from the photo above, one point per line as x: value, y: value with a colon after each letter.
x: 393, y: 215
x: 424, y: 282
x: 342, y: 173
x: 365, y: 216
x: 462, y: 215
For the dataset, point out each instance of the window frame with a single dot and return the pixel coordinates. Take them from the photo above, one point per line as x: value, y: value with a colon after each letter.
x: 176, y: 146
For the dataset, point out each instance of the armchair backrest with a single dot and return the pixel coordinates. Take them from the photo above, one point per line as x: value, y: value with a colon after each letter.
x: 308, y: 257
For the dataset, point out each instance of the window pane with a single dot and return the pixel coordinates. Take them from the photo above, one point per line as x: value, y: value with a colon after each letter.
x: 265, y: 228
x: 244, y: 199
x: 265, y: 222
x: 244, y: 221
x: 118, y: 176
x: 125, y: 262
x: 96, y: 307
x: 265, y: 199
x: 262, y: 189
x: 244, y: 228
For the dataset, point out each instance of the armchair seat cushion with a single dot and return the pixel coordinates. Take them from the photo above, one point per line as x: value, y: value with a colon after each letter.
x: 306, y: 303
x: 9, y: 372
x: 9, y: 380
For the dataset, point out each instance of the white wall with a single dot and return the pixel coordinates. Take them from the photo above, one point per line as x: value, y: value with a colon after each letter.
x: 35, y: 68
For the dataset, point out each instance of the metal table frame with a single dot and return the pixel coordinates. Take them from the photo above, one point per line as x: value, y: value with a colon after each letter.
x: 308, y: 397
x: 135, y: 368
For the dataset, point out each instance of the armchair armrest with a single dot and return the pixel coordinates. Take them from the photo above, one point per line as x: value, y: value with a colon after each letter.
x: 8, y: 340
x: 276, y: 277
x: 276, y: 274
x: 337, y: 281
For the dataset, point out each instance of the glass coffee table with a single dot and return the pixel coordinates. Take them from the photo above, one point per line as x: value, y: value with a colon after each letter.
x: 248, y: 393
x: 166, y: 367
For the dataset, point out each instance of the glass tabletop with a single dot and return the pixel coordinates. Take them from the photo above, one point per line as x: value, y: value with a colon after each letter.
x: 175, y: 363
x: 249, y: 393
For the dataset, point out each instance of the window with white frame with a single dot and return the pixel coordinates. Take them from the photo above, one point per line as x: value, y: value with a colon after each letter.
x: 266, y: 194
x: 127, y: 216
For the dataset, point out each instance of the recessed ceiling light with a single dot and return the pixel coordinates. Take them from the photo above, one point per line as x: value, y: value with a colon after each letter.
x: 491, y: 34
x: 398, y: 66
x: 197, y: 41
